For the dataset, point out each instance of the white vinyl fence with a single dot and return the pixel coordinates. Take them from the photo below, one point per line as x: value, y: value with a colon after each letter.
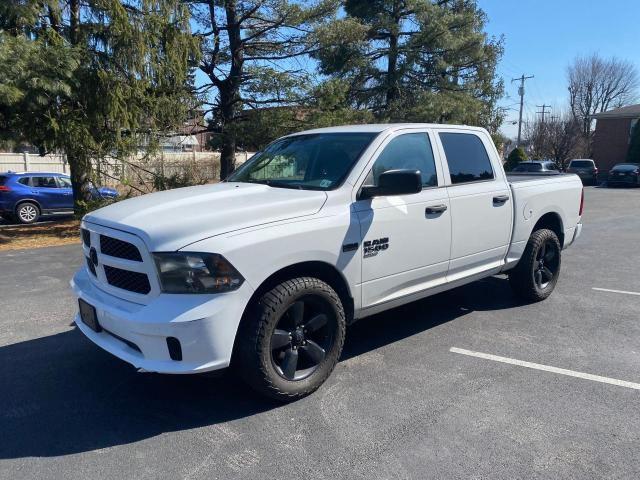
x: 202, y: 166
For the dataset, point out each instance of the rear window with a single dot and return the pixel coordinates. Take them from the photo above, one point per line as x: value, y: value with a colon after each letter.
x: 581, y: 164
x: 625, y: 167
x: 3, y: 179
x: 467, y: 158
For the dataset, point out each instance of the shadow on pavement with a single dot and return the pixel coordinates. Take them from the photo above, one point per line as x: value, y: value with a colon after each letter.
x: 62, y: 395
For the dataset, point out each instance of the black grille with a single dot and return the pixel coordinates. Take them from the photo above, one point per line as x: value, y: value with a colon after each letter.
x: 86, y: 237
x: 127, y: 280
x: 118, y: 248
x: 91, y: 266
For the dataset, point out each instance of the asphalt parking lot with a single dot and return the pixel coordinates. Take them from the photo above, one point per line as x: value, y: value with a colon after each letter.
x: 400, y: 403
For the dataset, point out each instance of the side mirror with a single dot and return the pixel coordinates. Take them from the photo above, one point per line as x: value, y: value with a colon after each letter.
x: 394, y: 182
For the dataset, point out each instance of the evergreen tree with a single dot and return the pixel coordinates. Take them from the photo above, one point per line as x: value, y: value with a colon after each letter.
x: 93, y: 78
x: 416, y: 60
x: 516, y: 156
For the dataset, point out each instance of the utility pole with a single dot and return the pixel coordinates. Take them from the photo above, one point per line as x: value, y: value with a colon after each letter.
x: 521, y: 93
x: 544, y: 108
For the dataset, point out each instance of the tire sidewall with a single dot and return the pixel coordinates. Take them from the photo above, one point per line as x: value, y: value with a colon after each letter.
x: 24, y: 205
x: 541, y: 237
x: 314, y: 380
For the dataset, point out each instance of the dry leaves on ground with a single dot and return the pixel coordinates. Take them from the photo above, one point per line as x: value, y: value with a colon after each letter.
x: 18, y: 237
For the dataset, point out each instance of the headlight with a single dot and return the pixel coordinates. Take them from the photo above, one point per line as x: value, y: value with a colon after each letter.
x: 189, y: 272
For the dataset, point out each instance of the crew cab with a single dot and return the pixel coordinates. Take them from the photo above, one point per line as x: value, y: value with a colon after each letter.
x: 262, y: 272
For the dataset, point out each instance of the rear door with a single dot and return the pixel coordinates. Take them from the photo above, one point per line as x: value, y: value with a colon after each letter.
x: 405, y: 238
x: 64, y: 183
x: 480, y: 197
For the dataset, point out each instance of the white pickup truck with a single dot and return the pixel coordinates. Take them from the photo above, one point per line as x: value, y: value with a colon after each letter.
x: 264, y: 271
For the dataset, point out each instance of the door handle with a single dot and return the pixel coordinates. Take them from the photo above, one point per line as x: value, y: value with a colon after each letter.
x: 500, y: 199
x: 435, y: 209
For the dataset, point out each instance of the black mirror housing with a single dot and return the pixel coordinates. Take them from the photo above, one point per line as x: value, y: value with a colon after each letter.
x: 394, y: 182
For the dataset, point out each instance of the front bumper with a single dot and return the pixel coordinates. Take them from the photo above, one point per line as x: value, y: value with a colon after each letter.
x: 205, y: 325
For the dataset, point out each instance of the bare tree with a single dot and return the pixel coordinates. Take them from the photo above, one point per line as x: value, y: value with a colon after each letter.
x: 559, y: 139
x: 597, y: 84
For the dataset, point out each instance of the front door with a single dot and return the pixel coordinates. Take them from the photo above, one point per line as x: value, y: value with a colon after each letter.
x: 405, y: 238
x: 48, y: 193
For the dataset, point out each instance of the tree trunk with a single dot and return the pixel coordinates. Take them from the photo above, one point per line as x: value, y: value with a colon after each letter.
x: 230, y: 100
x: 80, y: 167
x: 227, y: 155
x: 392, y: 87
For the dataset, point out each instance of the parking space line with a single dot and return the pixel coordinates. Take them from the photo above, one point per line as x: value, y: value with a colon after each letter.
x: 547, y: 368
x: 615, y: 291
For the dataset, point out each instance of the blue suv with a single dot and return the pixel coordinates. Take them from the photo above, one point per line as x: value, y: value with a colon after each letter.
x: 26, y: 196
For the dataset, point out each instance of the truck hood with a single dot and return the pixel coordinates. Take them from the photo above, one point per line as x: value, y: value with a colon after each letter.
x: 170, y: 220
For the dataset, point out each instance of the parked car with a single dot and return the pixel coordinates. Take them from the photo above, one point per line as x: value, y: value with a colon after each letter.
x: 533, y: 166
x: 323, y: 227
x: 26, y: 196
x: 624, y: 174
x: 586, y: 169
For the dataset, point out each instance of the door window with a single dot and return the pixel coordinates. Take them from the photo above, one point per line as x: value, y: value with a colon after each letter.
x: 467, y: 158
x: 44, y: 182
x: 64, y: 182
x: 409, y: 151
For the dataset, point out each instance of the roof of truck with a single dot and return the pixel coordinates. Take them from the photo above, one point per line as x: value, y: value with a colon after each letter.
x: 381, y: 127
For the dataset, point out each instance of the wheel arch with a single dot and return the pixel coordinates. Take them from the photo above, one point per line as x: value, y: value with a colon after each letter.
x: 318, y: 269
x: 322, y: 270
x: 553, y: 222
x: 26, y: 200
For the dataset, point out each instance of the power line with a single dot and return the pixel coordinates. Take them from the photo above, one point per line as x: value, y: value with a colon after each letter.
x: 543, y: 107
x: 521, y: 93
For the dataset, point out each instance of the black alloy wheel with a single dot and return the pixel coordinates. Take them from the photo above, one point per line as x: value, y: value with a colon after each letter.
x: 547, y: 262
x: 535, y: 276
x: 303, y: 335
x: 290, y: 338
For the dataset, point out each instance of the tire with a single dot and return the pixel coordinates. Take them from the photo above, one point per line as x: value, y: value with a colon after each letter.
x: 530, y: 279
x: 27, y: 212
x: 264, y: 355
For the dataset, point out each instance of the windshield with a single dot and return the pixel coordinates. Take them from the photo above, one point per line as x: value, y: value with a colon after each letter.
x: 311, y: 162
x: 581, y: 164
x: 3, y: 179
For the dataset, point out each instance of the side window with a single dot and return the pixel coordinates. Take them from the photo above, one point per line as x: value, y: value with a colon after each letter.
x: 467, y: 158
x: 24, y: 180
x: 64, y: 182
x: 409, y: 151
x: 44, y: 182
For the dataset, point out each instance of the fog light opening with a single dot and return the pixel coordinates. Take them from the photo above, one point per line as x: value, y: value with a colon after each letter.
x: 175, y: 349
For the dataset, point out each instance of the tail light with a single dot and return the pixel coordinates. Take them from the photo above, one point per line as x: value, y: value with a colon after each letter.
x: 581, y: 202
x: 4, y: 188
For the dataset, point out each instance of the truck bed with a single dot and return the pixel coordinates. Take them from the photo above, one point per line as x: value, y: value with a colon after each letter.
x: 515, y: 177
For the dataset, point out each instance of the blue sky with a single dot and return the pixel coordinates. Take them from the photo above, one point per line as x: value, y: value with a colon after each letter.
x: 542, y: 36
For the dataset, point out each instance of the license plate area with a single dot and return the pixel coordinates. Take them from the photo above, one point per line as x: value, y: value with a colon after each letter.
x: 89, y: 316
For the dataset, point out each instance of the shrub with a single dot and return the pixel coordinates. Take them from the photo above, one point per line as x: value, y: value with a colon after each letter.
x: 516, y: 156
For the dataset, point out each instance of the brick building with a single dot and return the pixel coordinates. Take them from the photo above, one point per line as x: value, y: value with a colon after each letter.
x: 611, y: 138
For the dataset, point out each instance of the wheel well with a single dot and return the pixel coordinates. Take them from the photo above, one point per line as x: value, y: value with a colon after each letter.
x: 553, y: 222
x: 321, y: 270
x: 27, y: 200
